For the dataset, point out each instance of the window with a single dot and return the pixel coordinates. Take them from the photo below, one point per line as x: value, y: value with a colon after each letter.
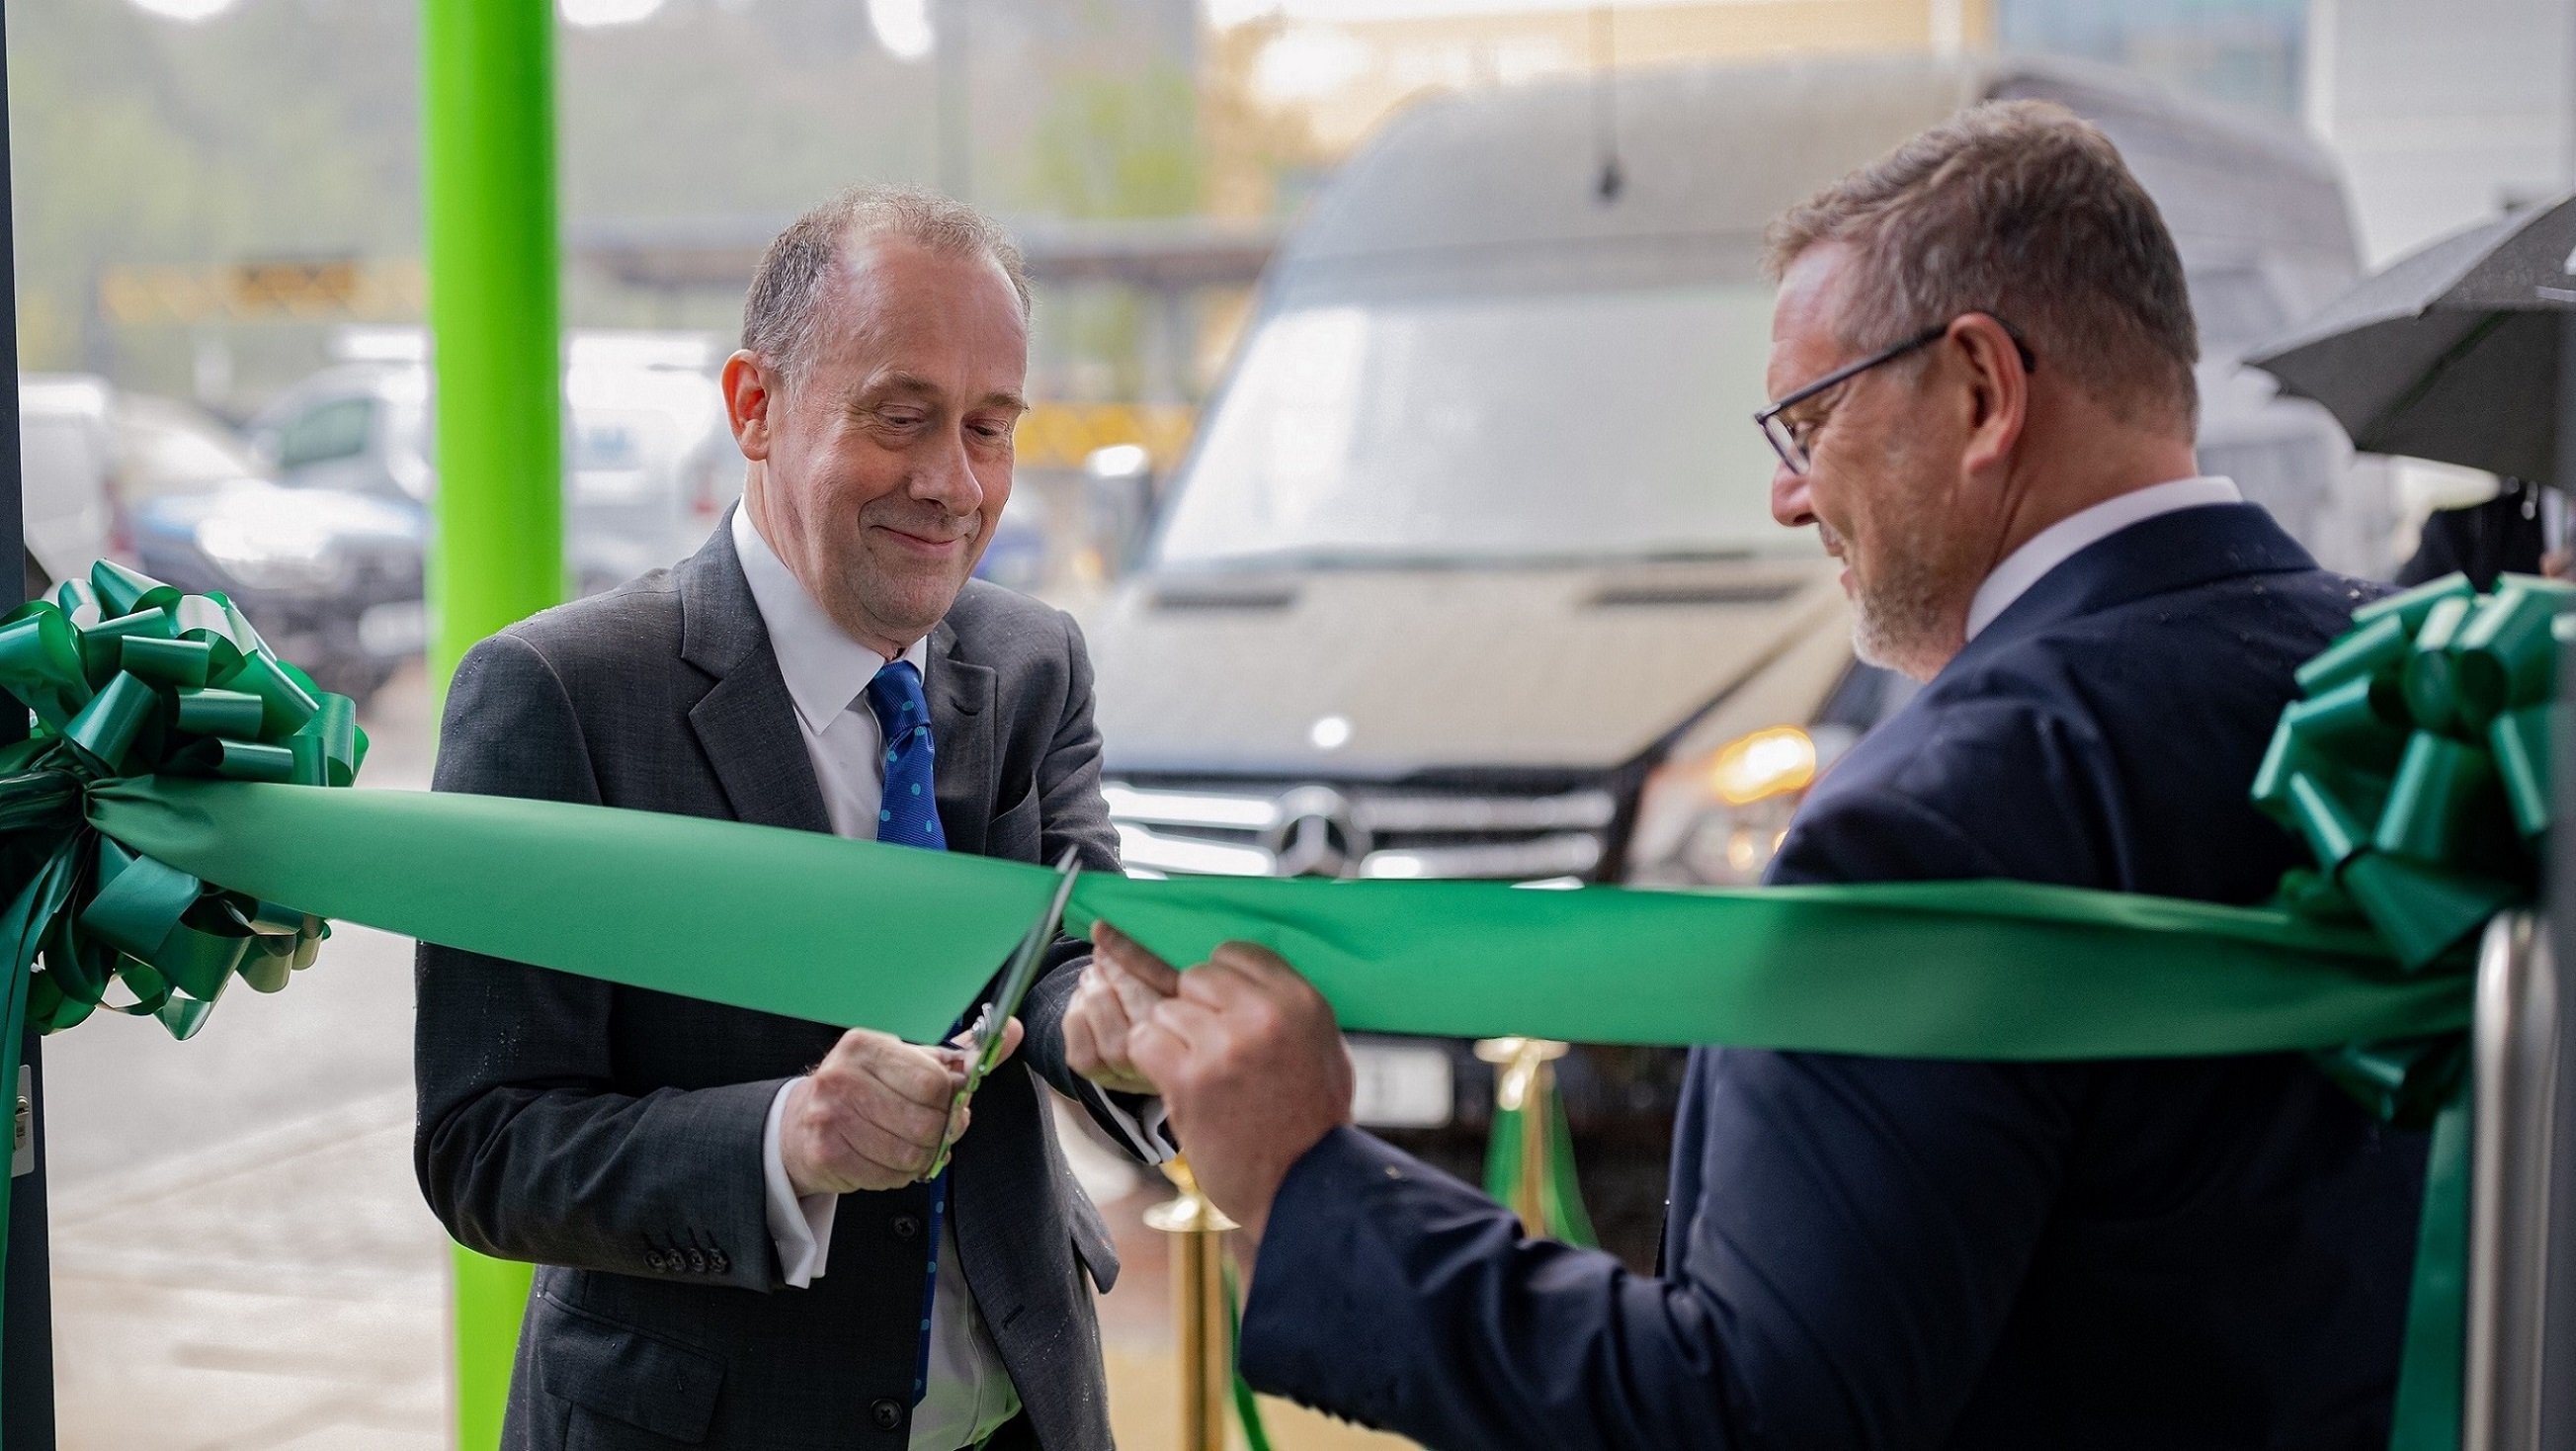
x: 333, y: 430
x: 2249, y: 53
x: 1490, y: 428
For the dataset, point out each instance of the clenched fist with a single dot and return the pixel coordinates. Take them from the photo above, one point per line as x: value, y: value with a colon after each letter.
x: 873, y: 1113
x: 1249, y: 1061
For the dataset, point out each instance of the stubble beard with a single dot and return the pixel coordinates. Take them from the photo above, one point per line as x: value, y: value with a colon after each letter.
x: 1903, y: 614
x: 1909, y: 612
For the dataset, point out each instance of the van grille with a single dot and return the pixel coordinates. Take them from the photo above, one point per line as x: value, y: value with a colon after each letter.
x: 1289, y: 829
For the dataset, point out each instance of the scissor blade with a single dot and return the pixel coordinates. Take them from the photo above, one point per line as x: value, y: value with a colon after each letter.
x: 1023, y: 974
x: 984, y: 1041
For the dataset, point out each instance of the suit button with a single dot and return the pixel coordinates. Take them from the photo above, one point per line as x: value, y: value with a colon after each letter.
x: 905, y: 1226
x: 886, y: 1413
x: 717, y: 1262
x: 697, y: 1262
x: 655, y: 1260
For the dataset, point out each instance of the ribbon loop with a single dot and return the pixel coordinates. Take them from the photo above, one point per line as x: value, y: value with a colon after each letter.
x: 212, y: 712
x: 40, y: 663
x: 2417, y: 766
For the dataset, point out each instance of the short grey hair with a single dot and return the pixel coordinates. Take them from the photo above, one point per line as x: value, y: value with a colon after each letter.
x: 787, y: 288
x: 2025, y: 211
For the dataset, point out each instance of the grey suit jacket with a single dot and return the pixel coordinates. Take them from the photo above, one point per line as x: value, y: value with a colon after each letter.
x: 613, y: 1135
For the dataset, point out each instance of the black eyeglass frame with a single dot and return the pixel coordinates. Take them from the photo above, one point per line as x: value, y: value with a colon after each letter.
x: 1794, y: 455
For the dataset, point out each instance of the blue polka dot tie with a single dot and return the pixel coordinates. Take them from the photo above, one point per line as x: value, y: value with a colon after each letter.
x: 909, y: 816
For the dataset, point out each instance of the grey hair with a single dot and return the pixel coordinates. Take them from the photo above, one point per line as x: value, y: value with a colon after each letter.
x: 2025, y: 211
x: 786, y: 289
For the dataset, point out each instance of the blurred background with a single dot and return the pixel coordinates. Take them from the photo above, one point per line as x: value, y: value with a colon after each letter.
x: 1382, y: 347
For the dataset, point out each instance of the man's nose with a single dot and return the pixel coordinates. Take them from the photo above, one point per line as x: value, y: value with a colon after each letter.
x: 1789, y: 501
x: 948, y: 479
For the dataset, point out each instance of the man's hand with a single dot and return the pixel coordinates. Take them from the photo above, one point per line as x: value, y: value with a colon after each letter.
x: 1119, y: 987
x: 873, y: 1114
x: 1252, y: 1070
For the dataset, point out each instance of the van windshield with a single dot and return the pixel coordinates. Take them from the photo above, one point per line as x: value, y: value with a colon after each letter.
x: 1489, y: 429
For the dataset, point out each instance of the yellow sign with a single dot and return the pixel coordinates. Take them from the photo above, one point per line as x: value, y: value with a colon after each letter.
x: 1062, y: 435
x: 325, y: 290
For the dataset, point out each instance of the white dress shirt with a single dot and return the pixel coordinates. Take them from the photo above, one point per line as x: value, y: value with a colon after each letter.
x: 2063, y: 540
x: 969, y: 1393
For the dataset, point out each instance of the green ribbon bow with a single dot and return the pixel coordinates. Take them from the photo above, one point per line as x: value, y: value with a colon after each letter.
x: 2416, y: 768
x: 126, y: 676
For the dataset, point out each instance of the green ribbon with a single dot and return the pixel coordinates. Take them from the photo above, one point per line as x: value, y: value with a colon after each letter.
x: 2415, y: 766
x: 1247, y: 1411
x: 758, y: 917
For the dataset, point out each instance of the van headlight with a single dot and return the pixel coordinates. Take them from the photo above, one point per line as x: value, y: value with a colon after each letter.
x: 1717, y: 819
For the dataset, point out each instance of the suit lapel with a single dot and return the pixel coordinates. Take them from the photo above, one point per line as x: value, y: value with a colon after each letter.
x: 746, y: 721
x: 961, y: 727
x: 748, y: 725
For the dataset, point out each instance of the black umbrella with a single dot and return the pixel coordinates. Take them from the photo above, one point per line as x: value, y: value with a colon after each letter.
x: 2460, y: 351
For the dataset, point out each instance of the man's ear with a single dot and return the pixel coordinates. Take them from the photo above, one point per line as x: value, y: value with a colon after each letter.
x: 1999, y: 389
x: 750, y: 394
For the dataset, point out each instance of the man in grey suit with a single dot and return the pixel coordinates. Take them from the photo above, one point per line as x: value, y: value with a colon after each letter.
x: 736, y: 1245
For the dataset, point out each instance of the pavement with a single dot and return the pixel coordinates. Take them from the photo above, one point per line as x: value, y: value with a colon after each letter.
x: 241, y: 1259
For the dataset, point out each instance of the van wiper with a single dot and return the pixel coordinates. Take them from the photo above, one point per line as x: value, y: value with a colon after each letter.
x: 1684, y: 554
x: 1359, y: 559
x: 1281, y: 559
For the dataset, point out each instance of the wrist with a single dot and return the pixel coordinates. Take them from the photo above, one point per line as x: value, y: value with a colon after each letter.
x: 798, y: 1164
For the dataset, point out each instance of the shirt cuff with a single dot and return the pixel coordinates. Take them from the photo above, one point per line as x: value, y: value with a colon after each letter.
x: 1144, y: 1128
x: 800, y: 1228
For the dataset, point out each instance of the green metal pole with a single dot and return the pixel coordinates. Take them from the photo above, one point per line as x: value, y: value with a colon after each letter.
x: 497, y: 552
x: 489, y: 159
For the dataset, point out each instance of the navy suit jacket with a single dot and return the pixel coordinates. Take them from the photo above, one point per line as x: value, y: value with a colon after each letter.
x: 1861, y: 1252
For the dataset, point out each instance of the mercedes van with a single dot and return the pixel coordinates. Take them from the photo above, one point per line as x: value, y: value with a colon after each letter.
x: 1470, y: 572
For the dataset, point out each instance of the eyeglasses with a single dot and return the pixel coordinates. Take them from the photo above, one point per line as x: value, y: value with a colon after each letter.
x: 1786, y: 439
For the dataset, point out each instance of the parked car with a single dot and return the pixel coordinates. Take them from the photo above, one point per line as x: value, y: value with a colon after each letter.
x: 332, y: 550
x: 66, y: 452
x: 644, y: 479
x: 330, y: 576
x: 1471, y: 573
x: 165, y: 447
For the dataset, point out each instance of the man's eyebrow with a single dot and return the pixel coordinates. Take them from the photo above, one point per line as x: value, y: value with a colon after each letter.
x: 900, y: 381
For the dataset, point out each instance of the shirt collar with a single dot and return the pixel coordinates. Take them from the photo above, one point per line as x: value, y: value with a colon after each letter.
x: 824, y: 669
x: 2068, y: 537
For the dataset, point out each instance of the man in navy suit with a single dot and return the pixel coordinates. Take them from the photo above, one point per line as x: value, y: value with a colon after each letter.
x: 1983, y: 353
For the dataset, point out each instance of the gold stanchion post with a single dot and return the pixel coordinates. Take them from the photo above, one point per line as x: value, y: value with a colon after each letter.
x: 1524, y: 1087
x: 1199, y: 1307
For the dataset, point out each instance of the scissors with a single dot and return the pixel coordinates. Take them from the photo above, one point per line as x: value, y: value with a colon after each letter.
x: 984, y: 1040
